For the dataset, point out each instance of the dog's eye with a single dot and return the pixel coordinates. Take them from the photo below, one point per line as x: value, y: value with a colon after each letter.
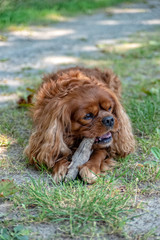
x: 88, y: 116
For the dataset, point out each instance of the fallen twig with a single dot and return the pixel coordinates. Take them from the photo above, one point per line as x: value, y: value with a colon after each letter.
x: 80, y: 157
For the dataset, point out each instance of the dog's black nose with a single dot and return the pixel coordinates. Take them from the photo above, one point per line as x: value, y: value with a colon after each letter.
x: 108, y: 121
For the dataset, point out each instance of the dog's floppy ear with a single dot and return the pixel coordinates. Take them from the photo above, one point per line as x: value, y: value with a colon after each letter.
x: 47, y: 140
x: 123, y: 139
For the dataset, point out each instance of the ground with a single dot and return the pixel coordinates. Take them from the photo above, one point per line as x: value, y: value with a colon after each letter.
x: 124, y: 38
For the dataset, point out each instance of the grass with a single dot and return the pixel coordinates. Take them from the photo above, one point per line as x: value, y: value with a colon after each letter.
x: 24, y: 13
x: 16, y: 123
x: 7, y: 188
x: 4, y: 140
x: 104, y: 207
x: 75, y: 205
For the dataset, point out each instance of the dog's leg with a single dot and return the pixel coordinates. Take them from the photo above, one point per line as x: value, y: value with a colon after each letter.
x: 92, y: 168
x: 60, y: 170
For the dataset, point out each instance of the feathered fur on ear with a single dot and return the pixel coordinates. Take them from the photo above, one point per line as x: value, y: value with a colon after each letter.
x: 47, y: 139
x: 123, y: 139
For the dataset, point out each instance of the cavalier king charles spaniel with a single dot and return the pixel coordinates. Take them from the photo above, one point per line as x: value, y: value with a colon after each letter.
x: 73, y: 104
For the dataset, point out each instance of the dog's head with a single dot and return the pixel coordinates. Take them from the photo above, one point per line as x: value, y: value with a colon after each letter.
x: 92, y: 111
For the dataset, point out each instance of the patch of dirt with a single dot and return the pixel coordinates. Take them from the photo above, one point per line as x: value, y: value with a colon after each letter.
x: 148, y: 220
x: 49, y: 48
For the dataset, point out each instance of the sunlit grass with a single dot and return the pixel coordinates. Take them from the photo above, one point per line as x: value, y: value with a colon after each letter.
x: 119, y: 47
x: 4, y: 140
x: 17, y: 12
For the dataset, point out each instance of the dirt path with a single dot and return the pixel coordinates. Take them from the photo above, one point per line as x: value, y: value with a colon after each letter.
x: 44, y: 49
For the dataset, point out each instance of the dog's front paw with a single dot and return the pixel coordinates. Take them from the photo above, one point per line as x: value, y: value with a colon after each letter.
x: 107, y: 164
x: 60, y: 170
x: 88, y: 172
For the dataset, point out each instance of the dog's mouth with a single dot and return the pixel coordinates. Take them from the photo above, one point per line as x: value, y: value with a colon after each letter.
x: 106, y: 138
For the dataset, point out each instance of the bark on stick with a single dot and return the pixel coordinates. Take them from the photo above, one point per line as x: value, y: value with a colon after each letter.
x: 80, y: 157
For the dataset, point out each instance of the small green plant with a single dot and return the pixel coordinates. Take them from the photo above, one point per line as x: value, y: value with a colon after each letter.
x: 18, y: 233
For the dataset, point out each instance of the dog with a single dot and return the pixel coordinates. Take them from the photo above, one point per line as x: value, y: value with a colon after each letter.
x: 73, y: 104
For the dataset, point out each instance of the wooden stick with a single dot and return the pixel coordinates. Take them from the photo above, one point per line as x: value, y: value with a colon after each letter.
x: 80, y: 157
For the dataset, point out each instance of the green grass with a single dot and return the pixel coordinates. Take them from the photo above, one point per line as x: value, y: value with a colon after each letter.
x: 75, y: 206
x: 7, y: 188
x: 18, y: 12
x: 147, y: 116
x: 105, y: 206
x: 16, y: 124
